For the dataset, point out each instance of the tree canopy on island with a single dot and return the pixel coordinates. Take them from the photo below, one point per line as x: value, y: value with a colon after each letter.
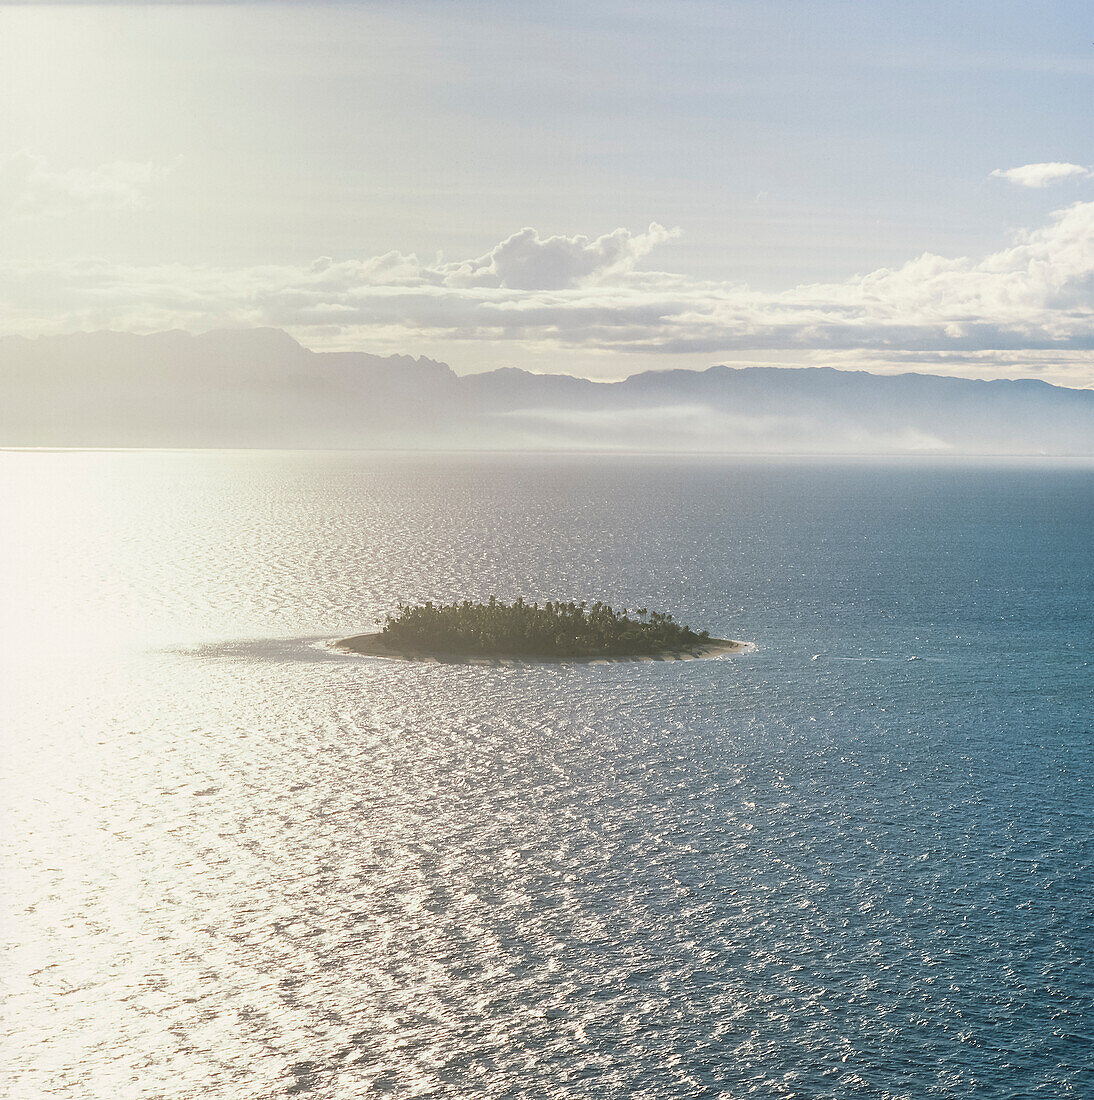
x: 529, y: 630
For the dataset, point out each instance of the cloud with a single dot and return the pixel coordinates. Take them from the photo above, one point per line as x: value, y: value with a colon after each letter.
x: 526, y: 261
x: 1041, y: 175
x: 29, y: 187
x: 702, y: 427
x: 1036, y: 295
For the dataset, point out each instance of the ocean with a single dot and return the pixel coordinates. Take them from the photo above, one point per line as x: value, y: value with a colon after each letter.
x: 853, y: 861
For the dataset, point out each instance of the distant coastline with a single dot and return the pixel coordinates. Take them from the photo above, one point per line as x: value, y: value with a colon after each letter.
x: 174, y: 389
x: 374, y: 645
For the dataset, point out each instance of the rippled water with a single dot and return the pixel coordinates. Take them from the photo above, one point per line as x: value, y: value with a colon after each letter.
x: 241, y: 866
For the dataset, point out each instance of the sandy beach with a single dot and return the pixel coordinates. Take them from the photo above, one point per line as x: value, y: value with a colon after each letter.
x: 373, y: 645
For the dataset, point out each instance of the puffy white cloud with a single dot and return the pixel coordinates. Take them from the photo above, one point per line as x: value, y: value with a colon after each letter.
x: 29, y: 187
x: 576, y: 293
x: 1041, y: 175
x: 526, y: 261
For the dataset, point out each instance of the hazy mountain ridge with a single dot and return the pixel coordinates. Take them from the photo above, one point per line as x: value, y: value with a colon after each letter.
x: 260, y: 388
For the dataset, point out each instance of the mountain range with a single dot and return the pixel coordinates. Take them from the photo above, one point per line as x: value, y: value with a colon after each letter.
x: 260, y: 388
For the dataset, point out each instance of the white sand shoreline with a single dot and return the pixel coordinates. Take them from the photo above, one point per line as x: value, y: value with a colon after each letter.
x: 372, y: 645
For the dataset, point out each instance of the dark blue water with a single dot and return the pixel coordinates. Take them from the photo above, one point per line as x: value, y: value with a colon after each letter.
x: 855, y: 861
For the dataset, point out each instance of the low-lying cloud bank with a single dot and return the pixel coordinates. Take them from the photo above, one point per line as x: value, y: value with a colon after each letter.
x: 1034, y: 296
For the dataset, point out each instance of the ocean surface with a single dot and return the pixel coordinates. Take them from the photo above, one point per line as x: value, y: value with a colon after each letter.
x: 855, y: 861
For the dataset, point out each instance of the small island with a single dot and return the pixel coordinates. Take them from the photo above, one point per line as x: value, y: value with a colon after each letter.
x: 555, y: 631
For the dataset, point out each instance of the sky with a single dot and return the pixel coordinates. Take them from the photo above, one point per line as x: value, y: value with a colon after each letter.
x: 593, y: 189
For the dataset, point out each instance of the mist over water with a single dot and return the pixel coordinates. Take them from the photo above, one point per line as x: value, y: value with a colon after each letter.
x: 239, y: 865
